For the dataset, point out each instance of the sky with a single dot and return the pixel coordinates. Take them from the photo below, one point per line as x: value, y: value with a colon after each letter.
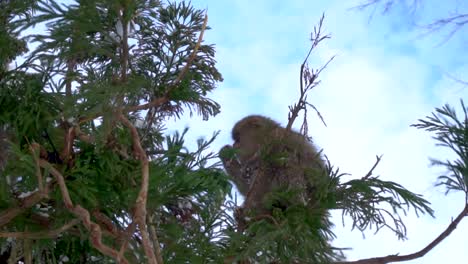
x: 386, y: 75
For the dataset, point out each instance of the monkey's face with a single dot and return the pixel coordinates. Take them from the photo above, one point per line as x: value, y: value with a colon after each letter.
x: 247, y: 143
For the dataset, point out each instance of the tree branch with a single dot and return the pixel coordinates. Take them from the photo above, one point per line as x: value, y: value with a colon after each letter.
x: 93, y: 228
x: 9, y: 214
x: 140, y: 204
x: 42, y: 234
x: 308, y: 79
x: 422, y: 252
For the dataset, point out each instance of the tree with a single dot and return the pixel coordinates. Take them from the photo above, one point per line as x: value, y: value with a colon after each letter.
x: 87, y: 174
x: 84, y: 118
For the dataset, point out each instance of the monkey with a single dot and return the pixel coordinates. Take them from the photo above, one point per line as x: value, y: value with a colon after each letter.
x: 266, y: 157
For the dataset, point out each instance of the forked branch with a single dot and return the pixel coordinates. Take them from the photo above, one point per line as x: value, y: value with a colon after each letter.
x: 308, y: 79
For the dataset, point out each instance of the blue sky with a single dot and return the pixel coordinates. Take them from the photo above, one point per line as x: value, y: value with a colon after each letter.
x: 384, y: 78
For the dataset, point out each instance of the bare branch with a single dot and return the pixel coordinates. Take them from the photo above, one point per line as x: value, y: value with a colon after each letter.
x: 456, y: 22
x: 308, y: 79
x: 373, y: 167
x: 387, y: 5
x: 456, y: 79
x: 422, y: 252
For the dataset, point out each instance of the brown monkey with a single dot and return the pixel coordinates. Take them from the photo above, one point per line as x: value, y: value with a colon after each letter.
x: 266, y: 157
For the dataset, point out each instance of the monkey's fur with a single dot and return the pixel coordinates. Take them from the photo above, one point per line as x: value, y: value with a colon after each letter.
x: 266, y: 157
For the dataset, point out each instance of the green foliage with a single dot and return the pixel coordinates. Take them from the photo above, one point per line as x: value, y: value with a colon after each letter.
x: 451, y: 132
x: 296, y: 237
x: 371, y: 202
x: 22, y: 95
x: 298, y: 233
x: 83, y: 71
x: 10, y: 45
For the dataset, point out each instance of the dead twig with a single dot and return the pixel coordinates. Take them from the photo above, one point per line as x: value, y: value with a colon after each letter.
x: 379, y: 158
x: 308, y: 79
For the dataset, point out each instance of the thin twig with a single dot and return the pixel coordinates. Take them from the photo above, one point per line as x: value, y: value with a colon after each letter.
x: 373, y: 167
x: 310, y: 78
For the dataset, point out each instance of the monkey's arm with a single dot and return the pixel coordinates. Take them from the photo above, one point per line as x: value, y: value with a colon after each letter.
x: 234, y: 168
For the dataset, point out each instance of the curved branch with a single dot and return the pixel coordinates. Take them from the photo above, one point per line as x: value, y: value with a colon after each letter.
x: 83, y: 214
x: 140, y: 204
x: 422, y: 252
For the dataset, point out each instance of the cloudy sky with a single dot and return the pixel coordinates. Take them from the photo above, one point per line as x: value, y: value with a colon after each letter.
x: 385, y: 77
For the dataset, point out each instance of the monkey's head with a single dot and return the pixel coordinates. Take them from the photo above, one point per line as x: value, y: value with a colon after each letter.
x: 252, y: 133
